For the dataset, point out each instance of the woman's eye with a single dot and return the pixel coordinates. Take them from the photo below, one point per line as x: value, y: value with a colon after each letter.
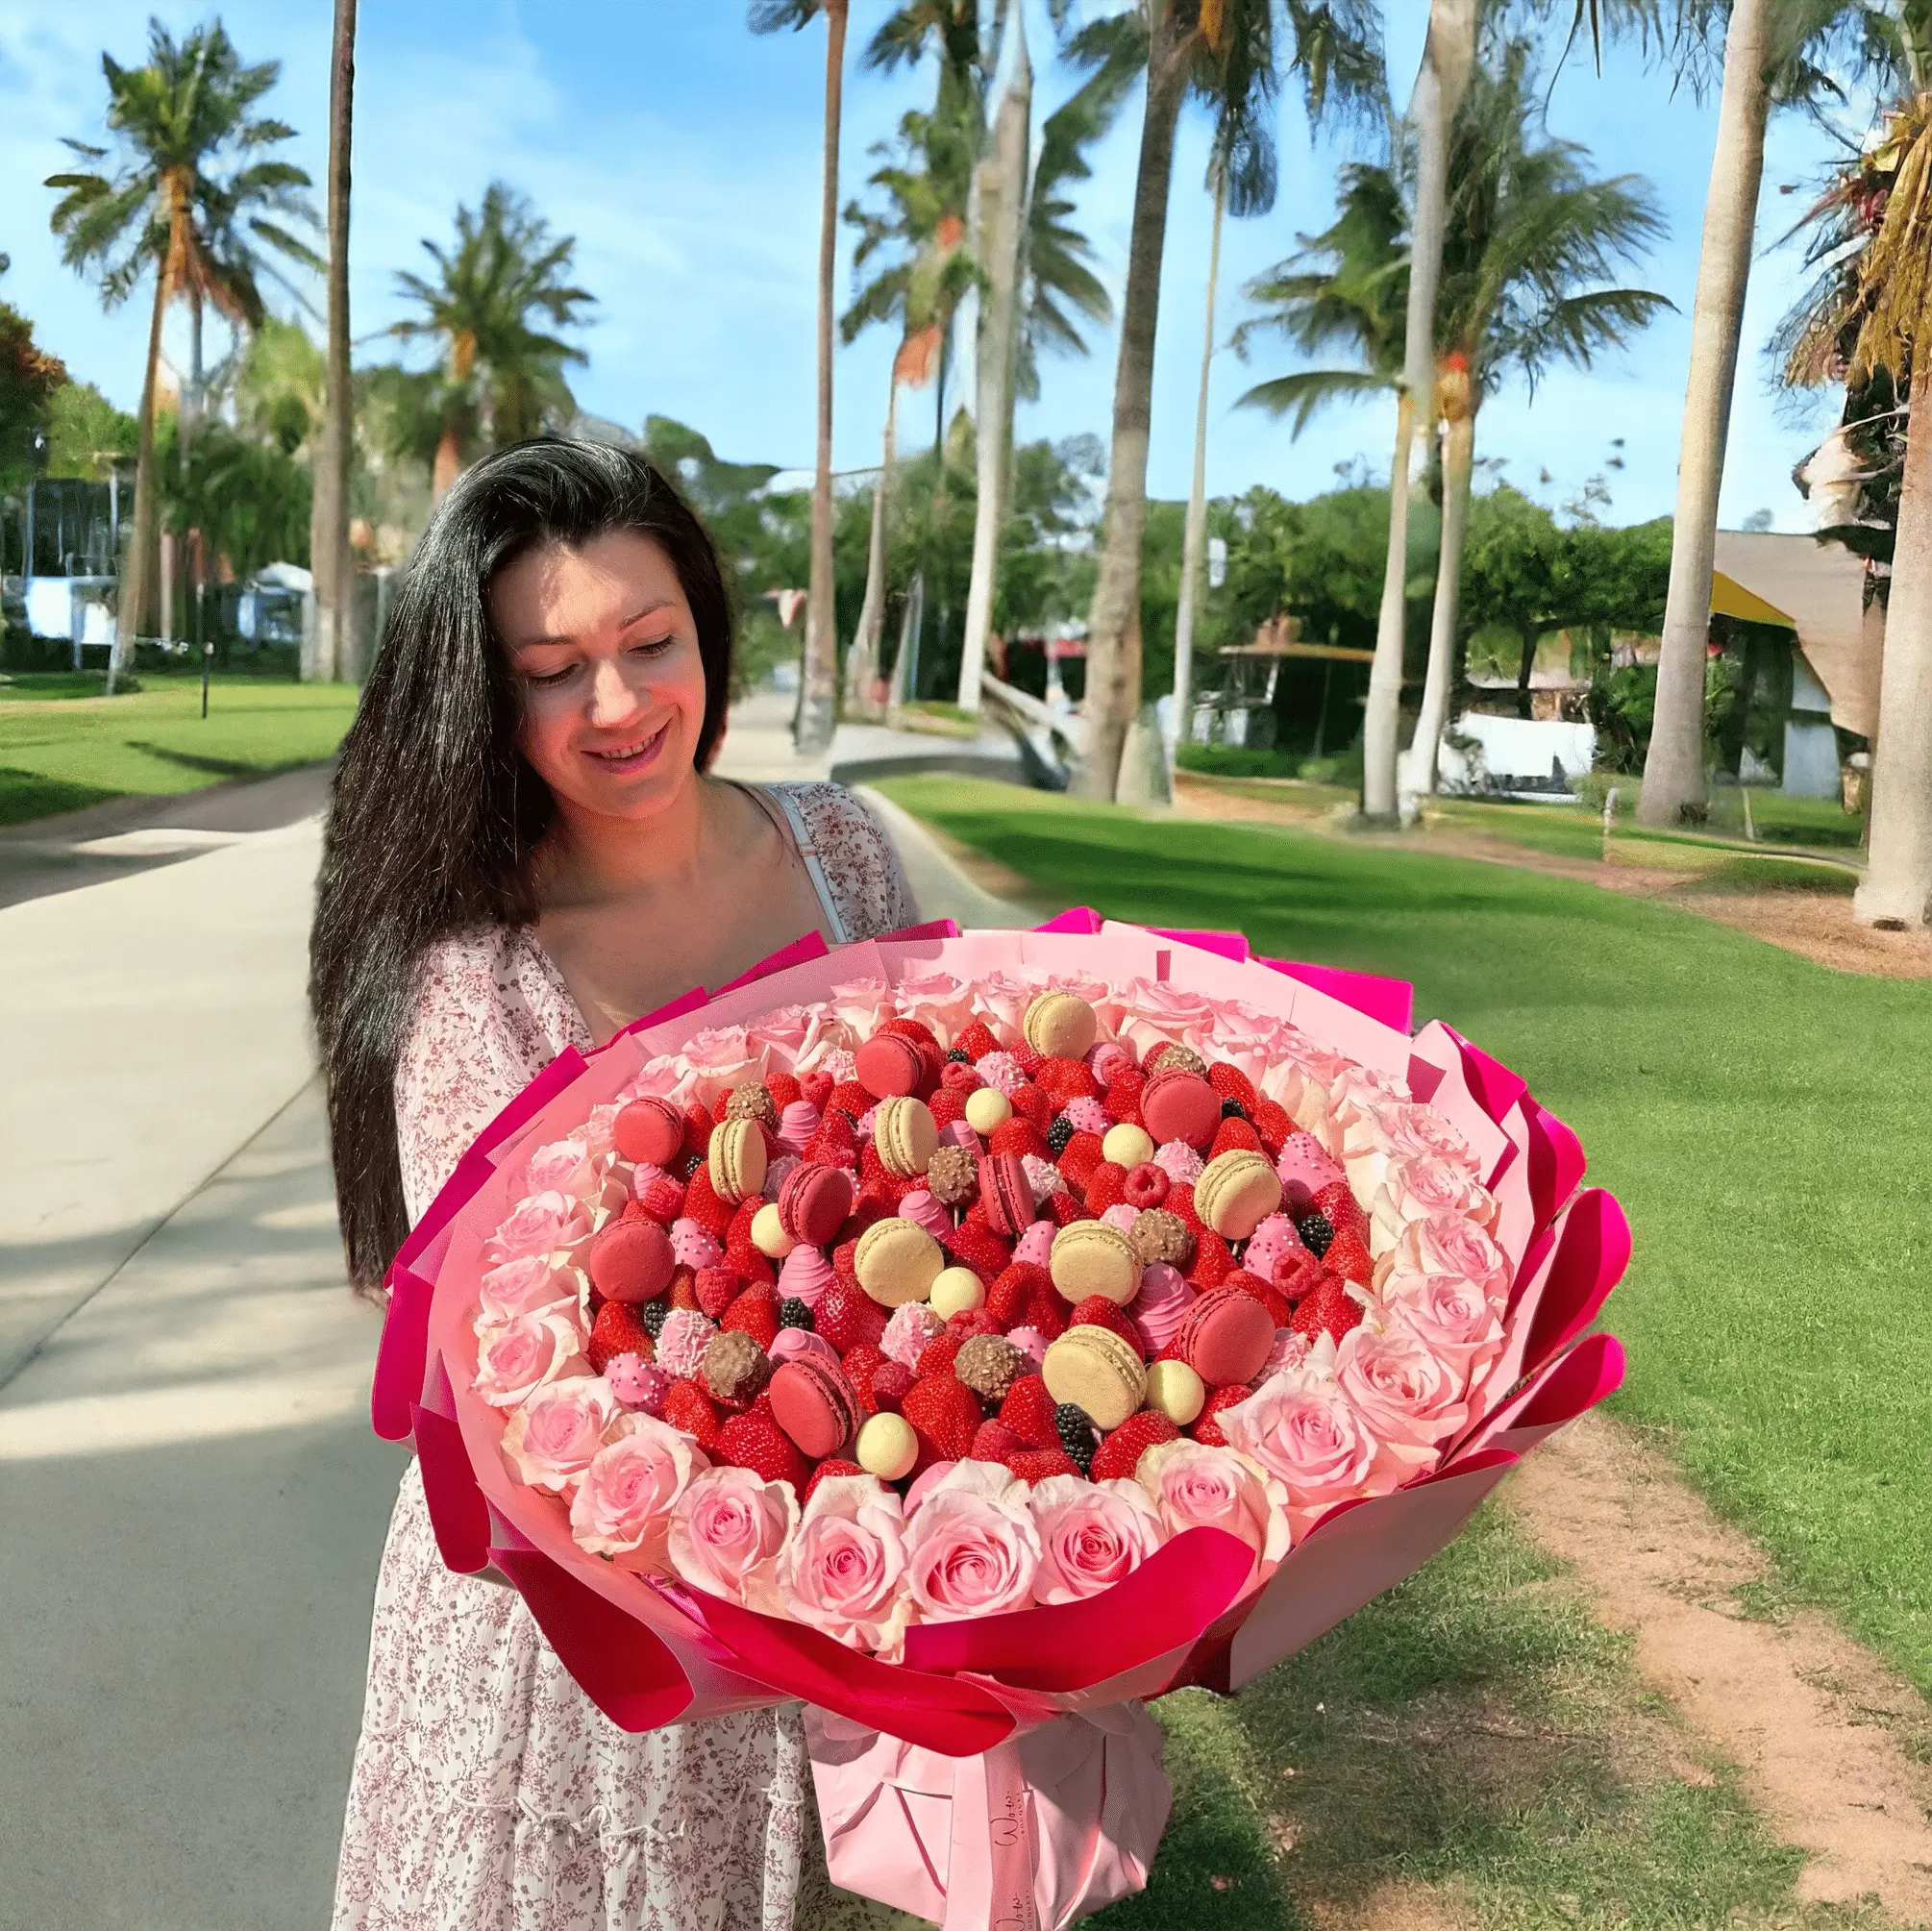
x: 653, y: 647
x: 552, y: 677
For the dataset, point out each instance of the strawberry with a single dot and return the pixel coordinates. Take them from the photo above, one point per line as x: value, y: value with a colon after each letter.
x: 1098, y: 1311
x: 1205, y: 1427
x: 688, y: 1407
x: 1341, y: 1209
x: 889, y: 1383
x: 784, y: 1089
x: 938, y: 1354
x: 1047, y: 1311
x: 871, y: 1165
x: 1064, y: 1079
x: 755, y: 1312
x: 1347, y: 1255
x: 756, y: 1443
x: 617, y: 1330
x: 1276, y: 1304
x: 1272, y: 1123
x: 949, y: 1104
x: 1121, y: 1098
x: 1018, y: 1136
x: 1212, y: 1261
x: 1035, y: 1465
x: 1106, y: 1187
x: 1028, y: 1411
x: 1329, y: 1309
x: 717, y: 1288
x: 944, y: 1416
x: 1030, y: 1103
x: 844, y: 1266
x: 1064, y: 1209
x: 662, y: 1198
x: 861, y: 1364
x: 739, y: 1232
x: 1181, y: 1200
x: 826, y: 1470
x: 684, y: 1291
x: 697, y: 1132
x: 752, y: 1268
x: 1008, y: 1293
x: 994, y: 1441
x: 1235, y: 1135
x: 846, y: 1316
x: 1119, y: 1455
x: 702, y: 1204
x: 1028, y: 1058
x: 1232, y: 1084
x: 977, y: 1040
x: 1080, y: 1157
x: 849, y: 1096
x: 910, y: 1029
x: 815, y: 1087
x: 980, y: 1248
x: 836, y: 1141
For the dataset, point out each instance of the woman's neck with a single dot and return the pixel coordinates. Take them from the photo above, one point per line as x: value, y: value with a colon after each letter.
x: 586, y: 859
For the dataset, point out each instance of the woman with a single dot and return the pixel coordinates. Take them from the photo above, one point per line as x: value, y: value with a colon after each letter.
x: 524, y: 852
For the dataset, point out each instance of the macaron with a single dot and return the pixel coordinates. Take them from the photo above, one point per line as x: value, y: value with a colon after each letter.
x: 1094, y: 1370
x: 650, y: 1131
x: 1127, y: 1146
x: 886, y: 1447
x: 814, y: 1405
x: 1180, y: 1105
x: 1226, y: 1337
x: 1236, y: 1192
x: 888, y: 1064
x: 905, y: 1132
x: 1061, y: 1024
x: 956, y: 1290
x: 987, y: 1107
x: 1091, y: 1257
x: 768, y: 1233
x: 737, y: 1158
x: 1176, y: 1391
x: 896, y: 1261
x: 1006, y: 1193
x: 632, y: 1260
x: 813, y: 1202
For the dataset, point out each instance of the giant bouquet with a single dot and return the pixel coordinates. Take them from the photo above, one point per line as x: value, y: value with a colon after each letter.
x: 976, y: 1335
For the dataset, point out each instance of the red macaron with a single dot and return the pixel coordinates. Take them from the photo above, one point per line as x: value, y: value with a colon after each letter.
x: 813, y: 1202
x: 1006, y: 1193
x: 814, y: 1404
x: 1226, y: 1337
x: 889, y: 1066
x: 1180, y: 1105
x: 632, y: 1260
x: 652, y: 1131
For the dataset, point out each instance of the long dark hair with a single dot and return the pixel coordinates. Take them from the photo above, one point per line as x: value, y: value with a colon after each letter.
x: 435, y: 812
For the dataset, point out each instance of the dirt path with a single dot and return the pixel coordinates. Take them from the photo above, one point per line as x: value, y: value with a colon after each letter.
x: 1834, y: 1748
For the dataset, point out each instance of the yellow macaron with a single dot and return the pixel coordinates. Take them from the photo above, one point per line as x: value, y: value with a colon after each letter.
x: 906, y: 1134
x: 1061, y: 1024
x: 736, y: 1159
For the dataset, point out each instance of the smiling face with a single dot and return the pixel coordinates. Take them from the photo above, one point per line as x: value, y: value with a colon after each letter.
x: 605, y: 652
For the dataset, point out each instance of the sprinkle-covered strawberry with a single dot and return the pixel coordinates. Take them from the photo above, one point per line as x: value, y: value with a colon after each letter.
x: 1119, y: 1455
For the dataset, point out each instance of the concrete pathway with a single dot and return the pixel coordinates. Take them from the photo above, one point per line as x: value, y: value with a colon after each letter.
x: 757, y: 749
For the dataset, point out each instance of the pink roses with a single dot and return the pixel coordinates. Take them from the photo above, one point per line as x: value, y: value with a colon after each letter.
x: 1306, y: 1433
x: 844, y: 1572
x: 1092, y: 1535
x: 546, y: 1222
x: 622, y: 1504
x: 551, y: 1439
x: 727, y: 1530
x: 971, y: 1546
x: 516, y: 1359
x: 524, y: 1286
x: 1193, y: 1485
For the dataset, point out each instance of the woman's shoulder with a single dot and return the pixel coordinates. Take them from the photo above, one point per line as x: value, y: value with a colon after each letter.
x: 496, y: 981
x: 862, y: 865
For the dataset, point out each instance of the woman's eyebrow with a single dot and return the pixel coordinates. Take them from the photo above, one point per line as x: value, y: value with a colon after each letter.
x: 649, y: 610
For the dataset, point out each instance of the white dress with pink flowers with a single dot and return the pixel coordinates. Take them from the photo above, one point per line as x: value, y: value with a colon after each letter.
x: 488, y: 1794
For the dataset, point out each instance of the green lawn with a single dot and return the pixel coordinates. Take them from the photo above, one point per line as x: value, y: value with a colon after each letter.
x: 1761, y: 1120
x: 63, y: 751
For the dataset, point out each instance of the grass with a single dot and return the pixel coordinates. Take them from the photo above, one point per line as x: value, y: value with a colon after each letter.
x: 1476, y: 1746
x: 1761, y: 1118
x: 65, y: 751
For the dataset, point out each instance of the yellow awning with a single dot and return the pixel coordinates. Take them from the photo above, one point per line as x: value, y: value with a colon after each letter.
x: 1730, y: 598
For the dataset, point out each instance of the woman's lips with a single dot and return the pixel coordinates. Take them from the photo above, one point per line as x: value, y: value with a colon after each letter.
x: 623, y: 759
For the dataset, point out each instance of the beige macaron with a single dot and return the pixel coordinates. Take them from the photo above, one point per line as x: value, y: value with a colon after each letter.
x: 896, y: 1261
x: 1235, y: 1193
x: 1061, y: 1024
x: 1091, y: 1257
x: 906, y: 1134
x: 737, y: 1158
x: 1094, y: 1370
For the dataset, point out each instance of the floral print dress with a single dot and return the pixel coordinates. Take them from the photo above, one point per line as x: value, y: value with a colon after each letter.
x: 488, y: 1793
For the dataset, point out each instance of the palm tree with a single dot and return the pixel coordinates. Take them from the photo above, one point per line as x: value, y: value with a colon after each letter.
x: 329, y: 558
x: 193, y: 199
x: 1194, y: 534
x: 818, y: 682
x: 502, y: 372
x: 1530, y: 239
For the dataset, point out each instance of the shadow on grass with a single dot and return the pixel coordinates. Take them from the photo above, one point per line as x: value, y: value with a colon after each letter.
x: 26, y: 795
x: 216, y: 767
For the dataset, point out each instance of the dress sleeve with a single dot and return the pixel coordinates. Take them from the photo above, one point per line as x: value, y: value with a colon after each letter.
x: 862, y: 866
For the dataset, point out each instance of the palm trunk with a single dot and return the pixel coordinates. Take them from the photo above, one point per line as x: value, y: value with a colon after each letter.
x: 818, y: 682
x: 137, y: 587
x: 191, y: 402
x: 1446, y: 58
x: 1194, y: 539
x: 1003, y: 205
x: 1898, y: 886
x: 328, y: 556
x: 449, y: 462
x: 1113, y: 623
x: 1458, y: 463
x: 1674, y: 768
x: 862, y: 663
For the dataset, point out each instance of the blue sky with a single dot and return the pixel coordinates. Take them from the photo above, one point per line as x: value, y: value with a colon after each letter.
x: 684, y: 154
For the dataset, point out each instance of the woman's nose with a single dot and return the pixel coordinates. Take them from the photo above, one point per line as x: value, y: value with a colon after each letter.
x: 611, y: 698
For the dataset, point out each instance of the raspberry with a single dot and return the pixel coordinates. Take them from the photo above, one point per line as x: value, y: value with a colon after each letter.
x: 1075, y: 1434
x: 1272, y: 1123
x: 717, y: 1288
x: 688, y: 1407
x: 703, y: 1205
x: 1035, y: 1465
x: 1338, y: 1205
x: 1330, y: 1309
x: 944, y: 1414
x: 1098, y: 1311
x: 662, y: 1198
x: 1234, y: 1135
x: 835, y: 1144
x: 1298, y: 1273
x: 938, y: 1354
x: 1064, y: 1209
x: 1205, y: 1427
x: 889, y: 1384
x: 1121, y: 1098
x: 1119, y: 1455
x: 1017, y: 1135
x: 826, y: 1470
x: 617, y: 1330
x: 1348, y: 1257
x: 1030, y: 1103
x: 946, y: 1105
x: 755, y: 1312
x: 1028, y: 1411
x: 964, y: 1326
x: 861, y: 1364
x: 794, y: 1313
x: 1106, y: 1187
x: 977, y: 1041
x: 980, y: 1248
x: 758, y: 1443
x: 1212, y: 1261
x: 959, y: 1075
x: 1147, y: 1186
x: 994, y: 1441
x: 1316, y: 1230
x: 1010, y: 1289
x: 1232, y: 1084
x: 846, y: 1316
x: 784, y: 1089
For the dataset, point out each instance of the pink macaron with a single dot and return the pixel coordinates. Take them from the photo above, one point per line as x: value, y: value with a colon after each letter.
x: 1226, y: 1337
x: 1181, y: 1106
x: 888, y: 1066
x: 649, y: 1129
x: 814, y: 1202
x: 814, y: 1405
x: 1006, y: 1193
x: 632, y: 1260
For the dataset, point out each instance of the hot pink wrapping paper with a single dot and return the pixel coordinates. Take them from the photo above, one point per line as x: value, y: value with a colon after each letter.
x: 1005, y: 1773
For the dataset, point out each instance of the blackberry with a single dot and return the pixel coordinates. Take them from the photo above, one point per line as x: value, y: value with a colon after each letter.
x: 1058, y: 1134
x: 1231, y: 1108
x: 652, y: 1317
x: 1076, y: 1435
x: 688, y: 1166
x: 794, y: 1313
x: 961, y: 1057
x: 1316, y: 1231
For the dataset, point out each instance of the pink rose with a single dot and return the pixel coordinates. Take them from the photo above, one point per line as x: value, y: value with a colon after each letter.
x: 1001, y: 998
x: 844, y: 1570
x: 1412, y: 1131
x: 525, y: 1286
x: 936, y: 1000
x: 598, y: 1132
x: 717, y: 1058
x: 1155, y: 1014
x: 1426, y: 1183
x: 1452, y: 1317
x: 1098, y: 993
x: 784, y: 1035
x: 516, y: 1359
x: 1091, y: 1534
x: 655, y: 1079
x: 622, y: 1507
x: 551, y: 1439
x: 727, y: 1530
x: 1304, y: 1430
x: 1402, y: 1389
x: 1195, y: 1486
x: 546, y: 1222
x: 1446, y: 1243
x: 862, y: 1004
x: 971, y: 1546
x: 560, y: 1168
